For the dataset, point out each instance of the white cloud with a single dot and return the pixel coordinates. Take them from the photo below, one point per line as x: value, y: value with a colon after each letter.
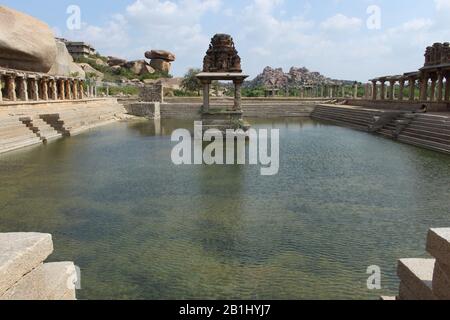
x: 341, y: 22
x: 442, y: 4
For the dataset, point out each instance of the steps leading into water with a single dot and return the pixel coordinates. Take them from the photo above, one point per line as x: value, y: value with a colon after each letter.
x: 40, y: 128
x: 422, y: 130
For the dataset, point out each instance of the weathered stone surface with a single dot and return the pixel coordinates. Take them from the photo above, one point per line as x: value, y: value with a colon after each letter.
x: 387, y: 298
x: 113, y: 61
x: 160, y: 65
x: 63, y: 64
x: 49, y: 281
x: 20, y: 253
x: 441, y: 281
x: 150, y: 110
x: 438, y: 245
x: 139, y: 67
x: 88, y: 70
x: 152, y: 93
x: 25, y: 42
x: 405, y: 293
x: 417, y: 276
x: 160, y: 54
x: 222, y: 55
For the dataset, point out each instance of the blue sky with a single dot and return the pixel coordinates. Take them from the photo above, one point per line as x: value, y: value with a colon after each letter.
x: 329, y: 36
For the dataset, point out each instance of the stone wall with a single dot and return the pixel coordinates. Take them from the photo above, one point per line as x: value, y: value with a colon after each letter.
x: 152, y: 93
x: 25, y: 276
x: 400, y: 105
x: 150, y: 110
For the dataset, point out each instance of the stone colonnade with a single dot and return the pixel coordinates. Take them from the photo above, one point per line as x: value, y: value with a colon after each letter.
x: 24, y: 86
x: 329, y: 91
x: 434, y: 86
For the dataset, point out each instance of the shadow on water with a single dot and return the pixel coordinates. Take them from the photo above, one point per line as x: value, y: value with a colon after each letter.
x: 141, y: 227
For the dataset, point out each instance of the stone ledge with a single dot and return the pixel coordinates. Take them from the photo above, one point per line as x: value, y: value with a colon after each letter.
x: 20, y: 253
x: 441, y: 282
x: 438, y: 245
x: 417, y: 276
x: 49, y: 281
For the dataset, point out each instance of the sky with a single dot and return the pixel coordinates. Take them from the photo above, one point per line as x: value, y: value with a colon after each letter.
x: 342, y: 39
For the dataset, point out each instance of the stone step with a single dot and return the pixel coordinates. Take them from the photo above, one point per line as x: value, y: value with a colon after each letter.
x: 18, y: 145
x: 417, y: 275
x: 345, y: 124
x: 411, y: 133
x: 441, y: 281
x: 21, y: 253
x: 438, y: 244
x: 344, y: 117
x: 49, y: 281
x: 435, y: 128
x: 425, y: 143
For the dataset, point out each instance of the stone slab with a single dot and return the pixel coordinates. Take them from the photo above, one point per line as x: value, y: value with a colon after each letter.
x: 387, y: 298
x: 20, y: 253
x: 438, y: 245
x: 417, y: 275
x: 441, y: 281
x: 50, y: 281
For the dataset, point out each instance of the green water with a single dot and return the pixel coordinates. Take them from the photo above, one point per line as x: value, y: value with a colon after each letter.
x: 140, y: 227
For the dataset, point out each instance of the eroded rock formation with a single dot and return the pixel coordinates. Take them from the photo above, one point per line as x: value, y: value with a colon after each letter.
x: 160, y: 60
x: 25, y: 42
x: 64, y: 64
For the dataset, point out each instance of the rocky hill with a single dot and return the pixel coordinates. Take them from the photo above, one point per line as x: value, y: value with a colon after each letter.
x: 296, y: 77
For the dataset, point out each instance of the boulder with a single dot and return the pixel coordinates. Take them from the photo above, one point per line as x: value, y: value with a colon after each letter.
x: 63, y: 64
x: 139, y: 67
x: 160, y: 54
x: 26, y: 43
x: 113, y: 61
x: 160, y: 65
x: 91, y: 71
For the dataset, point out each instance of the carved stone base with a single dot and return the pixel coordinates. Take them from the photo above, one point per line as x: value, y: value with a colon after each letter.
x: 223, y: 119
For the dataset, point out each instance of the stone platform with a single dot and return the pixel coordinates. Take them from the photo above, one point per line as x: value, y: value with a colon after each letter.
x: 25, y: 276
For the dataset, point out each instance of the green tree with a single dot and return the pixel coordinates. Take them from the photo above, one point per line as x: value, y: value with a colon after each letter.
x: 190, y: 82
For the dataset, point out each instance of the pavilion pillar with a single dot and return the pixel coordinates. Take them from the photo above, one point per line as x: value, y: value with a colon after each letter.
x: 424, y: 88
x: 367, y: 91
x: 11, y: 87
x: 391, y: 89
x: 401, y: 89
x: 355, y: 91
x: 62, y: 91
x: 383, y: 90
x: 1, y: 87
x: 440, y: 87
x: 23, y: 88
x: 44, y: 89
x: 75, y: 89
x: 433, y: 89
x: 81, y: 90
x: 206, y: 86
x: 53, y: 90
x: 34, y: 89
x: 374, y: 90
x: 447, y: 88
x: 343, y: 91
x: 237, y: 95
x: 68, y: 90
x: 412, y: 88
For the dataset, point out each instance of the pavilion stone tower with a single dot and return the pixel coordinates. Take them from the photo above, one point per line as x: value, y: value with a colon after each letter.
x: 222, y: 62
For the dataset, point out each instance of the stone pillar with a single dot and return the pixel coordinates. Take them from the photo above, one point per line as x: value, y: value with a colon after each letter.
x: 206, y: 85
x: 391, y: 89
x: 374, y: 90
x: 412, y: 88
x: 75, y: 89
x: 383, y: 90
x: 355, y: 91
x: 401, y: 89
x: 367, y: 91
x: 424, y: 88
x: 440, y: 87
x: 53, y: 90
x: 237, y: 95
x: 23, y: 88
x: 62, y: 89
x: 433, y: 89
x: 81, y: 90
x: 95, y: 91
x: 321, y: 91
x: 34, y: 89
x: 67, y: 89
x: 44, y: 89
x: 1, y: 87
x: 11, y: 87
x: 302, y: 92
x: 447, y: 88
x: 107, y: 91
